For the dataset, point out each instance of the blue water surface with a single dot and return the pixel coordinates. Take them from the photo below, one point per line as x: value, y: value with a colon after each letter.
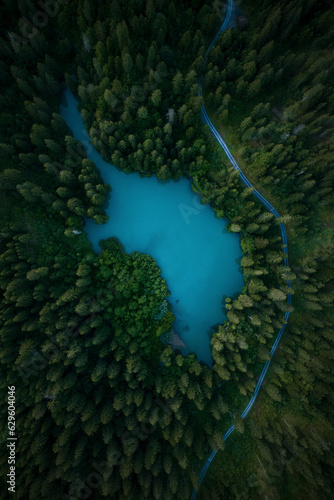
x: 166, y: 220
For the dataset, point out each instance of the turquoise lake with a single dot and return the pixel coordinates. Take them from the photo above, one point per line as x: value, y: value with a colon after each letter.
x: 167, y: 221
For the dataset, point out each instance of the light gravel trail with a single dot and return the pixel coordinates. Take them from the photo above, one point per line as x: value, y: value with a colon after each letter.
x: 266, y: 203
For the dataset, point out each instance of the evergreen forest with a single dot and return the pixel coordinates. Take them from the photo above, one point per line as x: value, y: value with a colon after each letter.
x: 105, y: 406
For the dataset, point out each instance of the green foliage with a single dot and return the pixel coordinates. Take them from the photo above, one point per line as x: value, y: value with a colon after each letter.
x: 84, y: 334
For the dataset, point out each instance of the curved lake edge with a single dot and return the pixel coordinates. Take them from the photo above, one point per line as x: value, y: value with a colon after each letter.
x: 210, y: 278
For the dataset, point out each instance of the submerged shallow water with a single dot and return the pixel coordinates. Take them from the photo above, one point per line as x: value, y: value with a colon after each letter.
x: 166, y: 220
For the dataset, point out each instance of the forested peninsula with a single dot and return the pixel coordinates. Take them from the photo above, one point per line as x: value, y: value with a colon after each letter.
x: 105, y: 407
